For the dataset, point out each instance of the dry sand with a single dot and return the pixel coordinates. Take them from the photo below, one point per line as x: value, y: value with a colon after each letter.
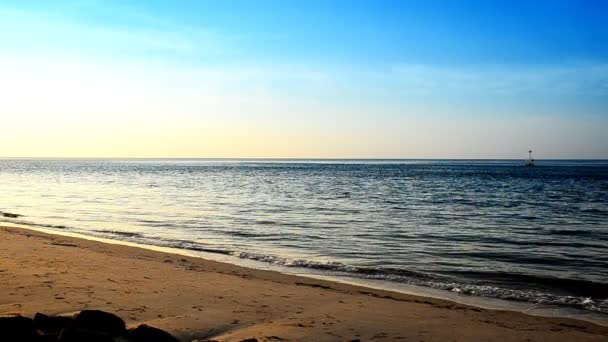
x: 198, y: 299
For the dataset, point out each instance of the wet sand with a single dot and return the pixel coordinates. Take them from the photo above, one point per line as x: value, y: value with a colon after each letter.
x: 198, y: 299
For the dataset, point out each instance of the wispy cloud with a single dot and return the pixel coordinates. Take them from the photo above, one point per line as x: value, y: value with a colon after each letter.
x: 587, y: 78
x: 49, y: 32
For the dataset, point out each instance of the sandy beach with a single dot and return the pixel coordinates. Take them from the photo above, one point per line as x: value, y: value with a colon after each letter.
x: 197, y: 299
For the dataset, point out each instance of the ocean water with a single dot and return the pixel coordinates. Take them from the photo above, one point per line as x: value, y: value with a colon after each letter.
x: 492, y: 229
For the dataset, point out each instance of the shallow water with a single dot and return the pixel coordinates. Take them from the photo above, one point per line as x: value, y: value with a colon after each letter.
x: 482, y: 228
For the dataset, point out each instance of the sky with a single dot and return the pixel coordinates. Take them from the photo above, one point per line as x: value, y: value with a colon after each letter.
x: 304, y: 79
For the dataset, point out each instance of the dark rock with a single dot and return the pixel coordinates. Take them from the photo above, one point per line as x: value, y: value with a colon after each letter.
x: 145, y: 333
x: 51, y: 324
x: 16, y: 328
x: 83, y: 335
x: 96, y: 320
x: 249, y: 340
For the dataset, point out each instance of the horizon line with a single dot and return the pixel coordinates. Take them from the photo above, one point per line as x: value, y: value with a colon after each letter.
x: 286, y: 158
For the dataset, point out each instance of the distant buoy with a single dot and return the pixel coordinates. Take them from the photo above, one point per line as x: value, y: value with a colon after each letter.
x: 530, y: 161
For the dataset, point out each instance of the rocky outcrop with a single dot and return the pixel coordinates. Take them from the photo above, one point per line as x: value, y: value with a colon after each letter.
x: 145, y: 333
x: 52, y: 325
x: 88, y: 325
x: 100, y: 321
x: 81, y: 335
x: 17, y: 328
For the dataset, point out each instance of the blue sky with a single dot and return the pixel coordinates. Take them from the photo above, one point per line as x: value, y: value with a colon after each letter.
x: 434, y: 79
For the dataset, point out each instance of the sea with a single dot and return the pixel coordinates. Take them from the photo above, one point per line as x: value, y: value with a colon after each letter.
x: 469, y: 230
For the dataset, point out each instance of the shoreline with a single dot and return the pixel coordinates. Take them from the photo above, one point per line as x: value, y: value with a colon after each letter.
x: 534, y: 309
x: 196, y: 298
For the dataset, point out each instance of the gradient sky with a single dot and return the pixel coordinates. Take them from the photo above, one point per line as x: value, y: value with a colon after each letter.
x: 345, y: 79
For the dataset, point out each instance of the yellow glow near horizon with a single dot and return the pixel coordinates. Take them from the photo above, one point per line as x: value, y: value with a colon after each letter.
x: 72, y: 109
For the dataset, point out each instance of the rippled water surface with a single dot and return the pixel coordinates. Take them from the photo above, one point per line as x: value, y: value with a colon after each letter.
x: 486, y: 228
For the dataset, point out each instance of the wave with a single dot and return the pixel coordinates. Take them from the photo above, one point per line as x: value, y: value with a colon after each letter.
x: 594, y: 211
x: 119, y: 233
x: 589, y: 295
x: 577, y: 293
x: 571, y: 232
x: 15, y: 219
x: 575, y: 287
x: 9, y: 215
